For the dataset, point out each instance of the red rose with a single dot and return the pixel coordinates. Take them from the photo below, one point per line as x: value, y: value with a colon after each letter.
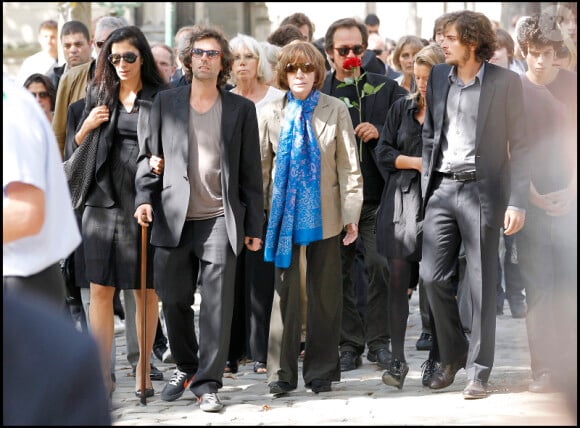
x: 351, y: 63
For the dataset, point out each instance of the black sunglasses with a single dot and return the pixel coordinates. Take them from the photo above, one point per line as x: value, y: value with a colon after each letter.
x: 100, y: 43
x: 198, y: 53
x: 378, y: 52
x: 305, y: 67
x: 344, y: 50
x: 42, y: 94
x: 130, y: 57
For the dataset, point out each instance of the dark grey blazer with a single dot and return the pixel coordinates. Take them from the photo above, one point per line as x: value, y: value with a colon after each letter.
x: 502, y: 179
x: 240, y: 165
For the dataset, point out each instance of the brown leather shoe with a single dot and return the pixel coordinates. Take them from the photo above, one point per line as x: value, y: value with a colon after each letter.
x: 475, y: 389
x: 445, y: 375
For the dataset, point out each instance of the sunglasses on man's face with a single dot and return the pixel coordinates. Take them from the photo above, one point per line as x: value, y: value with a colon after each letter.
x: 344, y: 50
x: 198, y: 53
x: 100, y: 43
x: 130, y: 57
x: 305, y: 67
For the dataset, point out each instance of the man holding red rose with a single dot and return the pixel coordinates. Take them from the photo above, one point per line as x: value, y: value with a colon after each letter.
x: 345, y: 43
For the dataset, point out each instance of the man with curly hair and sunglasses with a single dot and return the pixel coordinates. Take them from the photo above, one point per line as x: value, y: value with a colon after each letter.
x: 345, y: 43
x: 203, y: 209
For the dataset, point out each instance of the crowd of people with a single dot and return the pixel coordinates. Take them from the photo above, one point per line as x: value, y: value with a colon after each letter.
x: 305, y: 188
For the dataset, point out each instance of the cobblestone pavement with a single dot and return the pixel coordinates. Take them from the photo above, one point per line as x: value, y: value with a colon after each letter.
x: 360, y: 398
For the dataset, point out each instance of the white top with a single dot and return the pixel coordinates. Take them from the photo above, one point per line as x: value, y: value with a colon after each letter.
x: 41, y: 62
x: 270, y: 95
x: 31, y: 155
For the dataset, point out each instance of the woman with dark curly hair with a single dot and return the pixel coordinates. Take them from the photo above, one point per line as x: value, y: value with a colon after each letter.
x: 44, y: 91
x: 118, y: 100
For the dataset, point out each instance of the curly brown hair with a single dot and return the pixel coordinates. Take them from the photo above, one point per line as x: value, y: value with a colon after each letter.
x: 473, y: 28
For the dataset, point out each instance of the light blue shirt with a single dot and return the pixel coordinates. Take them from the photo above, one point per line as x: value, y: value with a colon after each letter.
x: 31, y: 156
x: 460, y: 123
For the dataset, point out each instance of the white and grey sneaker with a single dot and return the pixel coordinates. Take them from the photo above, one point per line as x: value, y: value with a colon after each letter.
x: 210, y: 402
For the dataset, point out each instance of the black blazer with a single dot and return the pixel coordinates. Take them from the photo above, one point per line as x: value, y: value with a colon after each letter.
x: 101, y: 193
x: 240, y: 166
x: 503, y: 179
x: 375, y: 109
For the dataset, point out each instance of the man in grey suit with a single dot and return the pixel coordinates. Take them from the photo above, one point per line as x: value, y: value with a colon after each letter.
x: 205, y: 206
x: 475, y: 179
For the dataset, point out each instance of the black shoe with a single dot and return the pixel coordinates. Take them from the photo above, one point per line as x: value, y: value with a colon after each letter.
x: 518, y: 310
x: 320, y: 385
x: 429, y: 367
x: 499, y: 309
x: 424, y: 342
x: 159, y: 351
x: 383, y: 358
x: 349, y: 360
x: 231, y: 367
x: 154, y: 374
x: 542, y: 384
x: 176, y: 385
x: 475, y: 389
x: 149, y: 392
x: 445, y: 375
x: 280, y: 387
x: 396, y: 373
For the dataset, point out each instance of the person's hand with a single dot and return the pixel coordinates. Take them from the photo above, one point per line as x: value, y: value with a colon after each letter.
x: 97, y: 116
x: 513, y: 221
x: 144, y: 214
x: 366, y: 131
x: 157, y: 164
x: 558, y: 203
x: 253, y: 244
x: 351, y: 234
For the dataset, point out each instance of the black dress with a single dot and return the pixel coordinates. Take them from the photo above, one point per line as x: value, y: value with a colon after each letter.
x: 399, y: 228
x: 111, y: 235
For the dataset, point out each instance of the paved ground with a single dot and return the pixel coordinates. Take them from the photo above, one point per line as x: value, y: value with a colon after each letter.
x: 360, y: 398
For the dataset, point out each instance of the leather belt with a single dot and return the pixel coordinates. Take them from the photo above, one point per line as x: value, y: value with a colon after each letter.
x: 459, y: 176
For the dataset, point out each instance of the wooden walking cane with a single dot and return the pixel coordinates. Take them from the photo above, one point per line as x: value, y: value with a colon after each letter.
x: 144, y: 314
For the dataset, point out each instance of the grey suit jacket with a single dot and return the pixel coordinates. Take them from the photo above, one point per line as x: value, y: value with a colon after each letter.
x: 501, y: 146
x: 240, y: 167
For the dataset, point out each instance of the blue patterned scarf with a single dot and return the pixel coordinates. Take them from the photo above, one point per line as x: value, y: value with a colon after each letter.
x: 296, y: 214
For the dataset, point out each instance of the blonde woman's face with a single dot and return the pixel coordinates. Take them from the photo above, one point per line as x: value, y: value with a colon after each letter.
x: 245, y: 66
x: 421, y: 72
x: 406, y: 58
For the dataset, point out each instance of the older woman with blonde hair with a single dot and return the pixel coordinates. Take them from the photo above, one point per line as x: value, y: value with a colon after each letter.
x: 313, y: 183
x: 251, y: 74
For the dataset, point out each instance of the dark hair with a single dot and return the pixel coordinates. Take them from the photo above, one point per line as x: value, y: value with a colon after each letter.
x: 372, y: 19
x: 529, y: 32
x: 299, y: 19
x: 300, y: 52
x: 345, y: 23
x: 106, y: 78
x: 227, y: 59
x: 438, y: 25
x: 505, y: 40
x: 75, y: 27
x: 285, y: 34
x: 473, y: 28
x: 45, y: 80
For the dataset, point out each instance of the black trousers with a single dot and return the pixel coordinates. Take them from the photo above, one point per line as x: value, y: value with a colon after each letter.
x: 205, y: 257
